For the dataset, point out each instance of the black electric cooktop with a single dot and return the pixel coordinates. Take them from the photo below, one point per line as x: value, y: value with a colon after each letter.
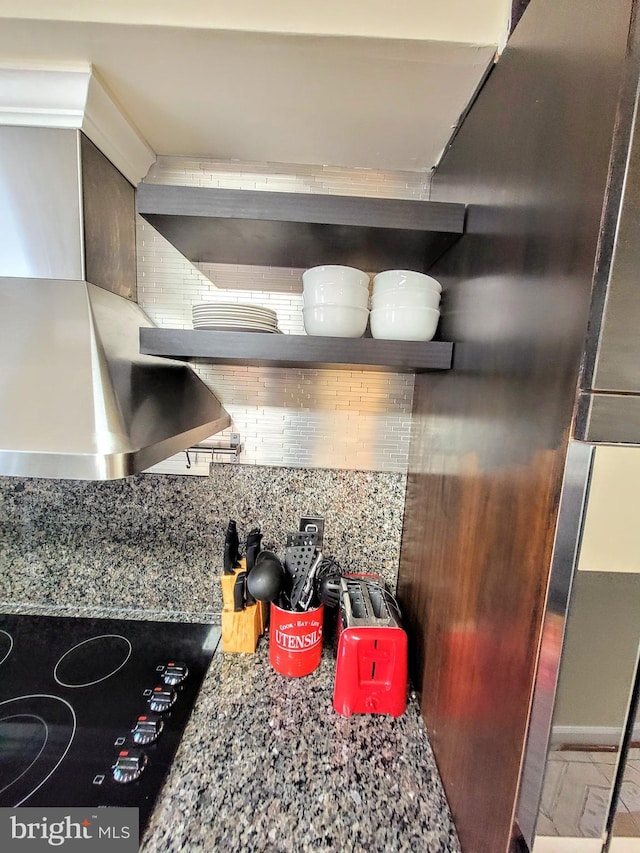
x: 92, y: 710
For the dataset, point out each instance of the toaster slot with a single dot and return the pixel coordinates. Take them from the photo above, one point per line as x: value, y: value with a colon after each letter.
x: 378, y: 603
x: 357, y: 600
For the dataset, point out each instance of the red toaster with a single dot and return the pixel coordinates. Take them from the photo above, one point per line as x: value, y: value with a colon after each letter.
x: 371, y: 667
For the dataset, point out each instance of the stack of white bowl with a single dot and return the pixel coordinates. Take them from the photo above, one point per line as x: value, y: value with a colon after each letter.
x: 405, y: 306
x: 335, y: 301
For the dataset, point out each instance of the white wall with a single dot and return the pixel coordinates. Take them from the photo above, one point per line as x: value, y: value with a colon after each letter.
x: 611, y: 535
x: 603, y: 627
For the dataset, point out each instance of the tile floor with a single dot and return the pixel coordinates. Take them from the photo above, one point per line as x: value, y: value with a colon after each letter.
x: 627, y: 819
x: 576, y: 793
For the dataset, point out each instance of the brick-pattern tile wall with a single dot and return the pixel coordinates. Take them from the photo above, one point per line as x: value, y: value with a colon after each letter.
x: 356, y: 420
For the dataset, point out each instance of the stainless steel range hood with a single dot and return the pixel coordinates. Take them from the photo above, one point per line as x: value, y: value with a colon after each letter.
x: 77, y: 399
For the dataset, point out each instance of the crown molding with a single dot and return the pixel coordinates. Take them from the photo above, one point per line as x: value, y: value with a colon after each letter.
x: 74, y: 97
x: 114, y: 134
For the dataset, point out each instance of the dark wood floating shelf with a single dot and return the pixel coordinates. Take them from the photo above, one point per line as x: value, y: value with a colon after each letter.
x: 302, y: 230
x: 262, y: 350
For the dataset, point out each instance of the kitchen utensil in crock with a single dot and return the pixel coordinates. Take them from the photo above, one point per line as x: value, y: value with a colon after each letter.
x: 267, y: 579
x: 313, y: 524
x: 303, y: 537
x: 327, y: 582
x: 308, y: 591
x: 329, y: 590
x: 298, y: 562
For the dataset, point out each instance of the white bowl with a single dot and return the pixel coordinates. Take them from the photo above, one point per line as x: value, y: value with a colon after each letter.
x: 335, y: 321
x: 406, y: 299
x: 333, y: 273
x: 335, y: 293
x: 404, y: 279
x: 404, y: 324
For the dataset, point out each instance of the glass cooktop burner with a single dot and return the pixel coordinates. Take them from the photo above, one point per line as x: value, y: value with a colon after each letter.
x: 92, y: 710
x: 92, y: 661
x: 6, y: 645
x: 36, y: 733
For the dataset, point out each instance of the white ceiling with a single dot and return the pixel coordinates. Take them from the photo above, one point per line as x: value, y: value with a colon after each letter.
x: 472, y: 21
x: 343, y: 100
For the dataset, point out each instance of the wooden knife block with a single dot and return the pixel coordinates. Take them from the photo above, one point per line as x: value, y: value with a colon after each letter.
x: 241, y: 629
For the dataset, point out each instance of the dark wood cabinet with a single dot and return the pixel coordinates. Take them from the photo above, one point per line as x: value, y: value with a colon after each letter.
x: 211, y: 225
x: 262, y: 350
x: 300, y: 230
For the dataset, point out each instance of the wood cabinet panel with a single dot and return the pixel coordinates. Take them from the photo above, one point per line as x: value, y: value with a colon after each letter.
x: 489, y: 437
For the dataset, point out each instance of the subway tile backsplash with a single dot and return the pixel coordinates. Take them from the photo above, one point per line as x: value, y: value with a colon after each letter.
x: 356, y: 420
x: 289, y: 177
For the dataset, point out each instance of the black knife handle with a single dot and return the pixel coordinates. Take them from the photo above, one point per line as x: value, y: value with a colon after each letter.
x: 227, y: 564
x: 239, y: 592
x: 248, y: 598
x: 253, y: 546
x: 231, y: 548
x: 235, y: 545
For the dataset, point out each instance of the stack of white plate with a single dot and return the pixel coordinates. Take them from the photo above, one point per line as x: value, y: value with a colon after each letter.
x: 405, y: 306
x: 234, y: 317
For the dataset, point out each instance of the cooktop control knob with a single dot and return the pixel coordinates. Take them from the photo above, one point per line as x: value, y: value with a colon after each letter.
x: 129, y: 766
x: 147, y: 730
x: 161, y: 699
x: 175, y: 673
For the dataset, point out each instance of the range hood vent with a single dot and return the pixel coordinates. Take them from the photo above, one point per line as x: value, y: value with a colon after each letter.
x: 77, y: 399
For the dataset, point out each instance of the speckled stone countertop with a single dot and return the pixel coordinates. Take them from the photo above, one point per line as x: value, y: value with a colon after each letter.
x: 267, y: 765
x: 152, y: 545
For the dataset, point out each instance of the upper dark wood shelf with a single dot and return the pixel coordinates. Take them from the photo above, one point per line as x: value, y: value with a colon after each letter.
x: 258, y: 349
x: 211, y: 225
